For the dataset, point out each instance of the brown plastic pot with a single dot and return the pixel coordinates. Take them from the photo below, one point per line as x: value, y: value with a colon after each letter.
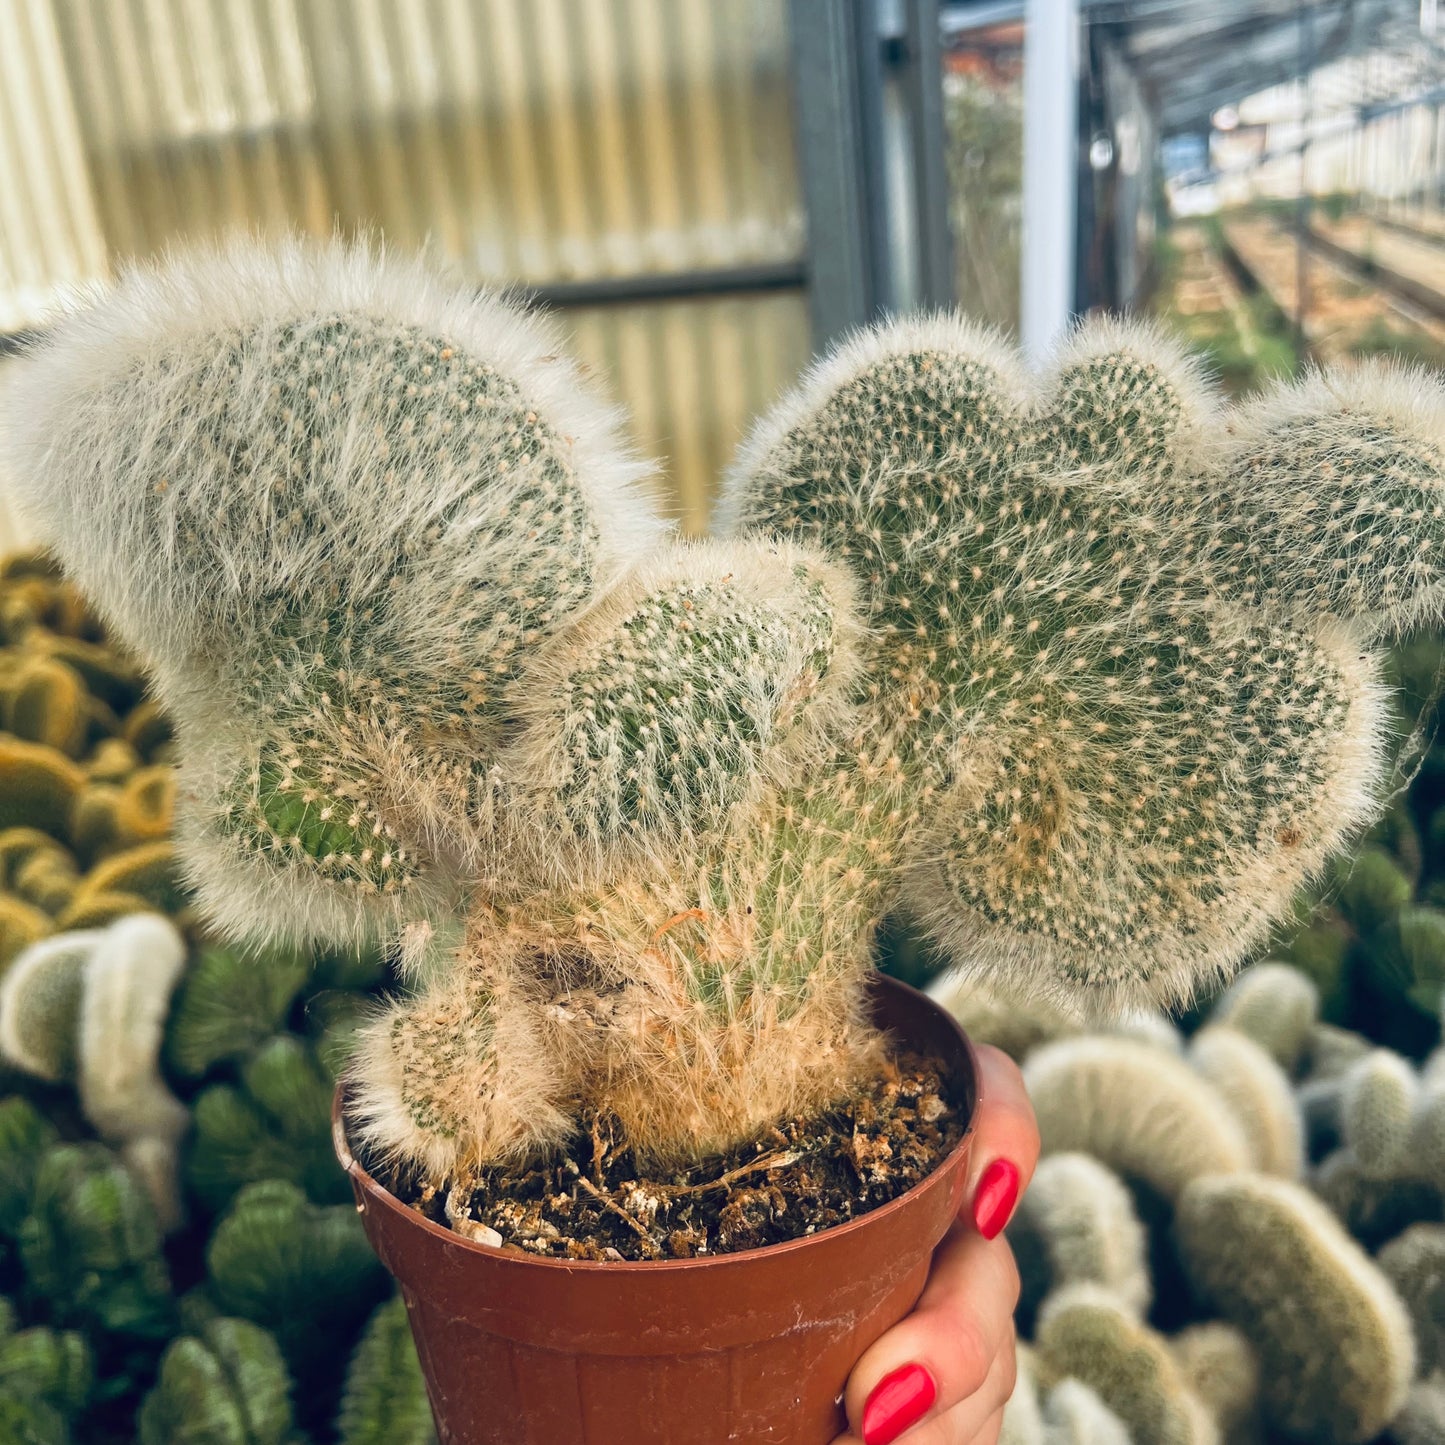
x: 754, y: 1346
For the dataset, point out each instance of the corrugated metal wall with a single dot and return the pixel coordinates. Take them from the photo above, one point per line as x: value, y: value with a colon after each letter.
x: 556, y: 143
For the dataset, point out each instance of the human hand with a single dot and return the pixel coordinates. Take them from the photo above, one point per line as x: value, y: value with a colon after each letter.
x: 943, y: 1374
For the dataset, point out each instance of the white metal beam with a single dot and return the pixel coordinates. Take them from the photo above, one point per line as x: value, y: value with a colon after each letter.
x: 1051, y: 92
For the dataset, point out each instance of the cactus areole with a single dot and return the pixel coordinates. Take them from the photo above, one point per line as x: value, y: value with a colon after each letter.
x: 1076, y: 672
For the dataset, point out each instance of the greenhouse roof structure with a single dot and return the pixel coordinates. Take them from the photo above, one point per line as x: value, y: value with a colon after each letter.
x: 1194, y: 56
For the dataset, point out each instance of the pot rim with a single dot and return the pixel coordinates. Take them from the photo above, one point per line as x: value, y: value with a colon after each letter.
x: 363, y: 1181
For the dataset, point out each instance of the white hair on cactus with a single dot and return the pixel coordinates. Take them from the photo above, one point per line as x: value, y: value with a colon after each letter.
x: 103, y: 460
x: 712, y: 672
x: 1333, y: 498
x: 947, y: 333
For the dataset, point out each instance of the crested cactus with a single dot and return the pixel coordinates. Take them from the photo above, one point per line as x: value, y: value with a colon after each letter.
x: 229, y: 1002
x: 1011, y: 660
x: 1077, y: 1223
x: 40, y: 1005
x: 1087, y: 1333
x: 21, y: 924
x: 1334, y: 1342
x: 89, y: 1008
x: 1374, y: 1208
x: 228, y: 1386
x: 1257, y: 1093
x: 302, y: 1272
x: 25, y: 1136
x: 1331, y: 1052
x: 275, y: 1125
x: 50, y: 1365
x: 384, y: 1402
x: 1144, y: 1113
x: 91, y: 1246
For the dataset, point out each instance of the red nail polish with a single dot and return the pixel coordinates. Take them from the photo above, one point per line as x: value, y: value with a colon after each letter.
x: 898, y: 1401
x: 998, y: 1192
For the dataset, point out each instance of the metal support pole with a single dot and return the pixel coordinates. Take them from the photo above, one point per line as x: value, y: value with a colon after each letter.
x: 1305, y: 39
x: 1051, y: 91
x: 930, y: 168
x: 834, y: 162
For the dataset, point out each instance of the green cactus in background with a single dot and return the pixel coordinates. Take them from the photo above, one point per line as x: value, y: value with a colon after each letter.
x: 275, y: 1125
x: 228, y: 1386
x: 1257, y: 1093
x: 305, y: 1273
x: 1372, y: 888
x: 1087, y: 1333
x: 1006, y: 659
x: 229, y: 1002
x: 1276, y: 1006
x: 1414, y: 1263
x: 24, y: 1420
x: 91, y: 1246
x: 1076, y: 1223
x: 1335, y: 1347
x: 54, y: 1366
x: 25, y: 1136
x: 384, y: 1402
x: 1087, y: 1094
x: 1407, y: 955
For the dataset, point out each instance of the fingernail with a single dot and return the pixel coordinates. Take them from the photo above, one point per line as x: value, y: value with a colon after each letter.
x: 998, y: 1192
x: 898, y: 1401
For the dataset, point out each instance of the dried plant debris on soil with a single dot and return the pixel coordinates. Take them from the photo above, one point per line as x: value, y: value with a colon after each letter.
x: 804, y: 1176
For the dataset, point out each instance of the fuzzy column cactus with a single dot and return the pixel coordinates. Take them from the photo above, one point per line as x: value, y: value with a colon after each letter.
x: 90, y: 1008
x: 972, y: 650
x: 1335, y: 1346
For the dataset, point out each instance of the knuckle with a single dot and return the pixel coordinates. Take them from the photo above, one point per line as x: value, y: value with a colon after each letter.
x: 969, y: 1353
x: 1013, y: 1283
x: 1008, y: 1372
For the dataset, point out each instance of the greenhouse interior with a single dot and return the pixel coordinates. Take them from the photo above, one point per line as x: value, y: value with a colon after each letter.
x: 719, y: 721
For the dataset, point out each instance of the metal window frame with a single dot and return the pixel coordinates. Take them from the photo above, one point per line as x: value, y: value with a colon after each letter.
x: 868, y: 104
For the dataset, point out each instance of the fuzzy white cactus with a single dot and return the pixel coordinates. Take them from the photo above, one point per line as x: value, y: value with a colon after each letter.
x: 975, y: 648
x: 89, y: 1008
